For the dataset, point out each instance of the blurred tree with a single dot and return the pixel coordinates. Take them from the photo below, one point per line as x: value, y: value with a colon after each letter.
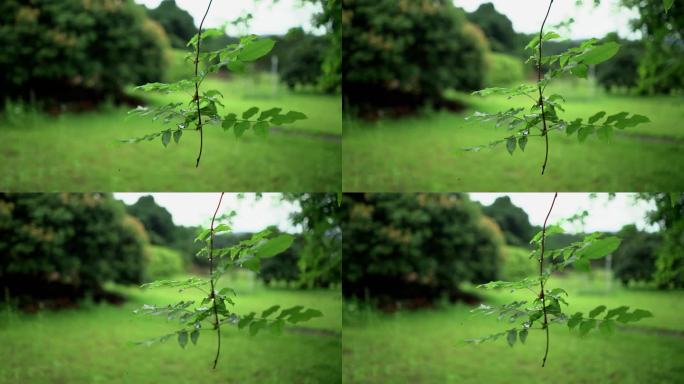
x: 497, y: 27
x: 416, y: 246
x: 622, y: 70
x: 302, y: 57
x: 635, y: 259
x: 178, y: 23
x: 512, y: 220
x: 76, y: 50
x: 404, y: 54
x: 66, y: 245
x: 503, y: 70
x: 669, y: 214
x: 661, y: 68
x: 162, y: 263
x: 320, y: 258
x: 331, y: 19
x: 156, y: 219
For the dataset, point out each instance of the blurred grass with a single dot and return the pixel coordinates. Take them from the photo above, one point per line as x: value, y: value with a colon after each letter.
x: 92, y: 344
x: 427, y: 346
x: 79, y: 152
x: 424, y: 153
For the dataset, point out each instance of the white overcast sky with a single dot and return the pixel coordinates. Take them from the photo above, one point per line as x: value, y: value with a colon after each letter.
x: 590, y: 21
x: 604, y: 214
x: 269, y: 18
x: 191, y: 209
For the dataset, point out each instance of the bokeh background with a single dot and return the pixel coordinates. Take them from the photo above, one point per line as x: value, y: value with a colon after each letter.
x: 68, y: 73
x: 411, y: 263
x: 71, y: 266
x: 409, y: 68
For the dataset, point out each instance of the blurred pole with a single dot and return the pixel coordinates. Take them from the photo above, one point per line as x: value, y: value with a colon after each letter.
x: 274, y: 74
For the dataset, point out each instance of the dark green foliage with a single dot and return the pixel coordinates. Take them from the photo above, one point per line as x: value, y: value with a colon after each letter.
x: 622, y: 70
x: 66, y: 245
x: 77, y: 50
x: 669, y: 214
x: 178, y: 23
x: 635, y: 259
x: 496, y: 26
x: 512, y: 220
x: 283, y: 268
x: 320, y: 259
x: 302, y: 59
x: 415, y: 246
x: 407, y: 53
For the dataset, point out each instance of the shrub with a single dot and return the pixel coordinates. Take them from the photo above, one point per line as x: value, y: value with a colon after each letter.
x: 516, y: 264
x: 503, y: 70
x: 301, y: 58
x: 65, y: 245
x: 283, y: 268
x: 77, y: 50
x: 635, y: 259
x: 407, y: 53
x: 162, y: 262
x: 622, y: 70
x: 415, y: 246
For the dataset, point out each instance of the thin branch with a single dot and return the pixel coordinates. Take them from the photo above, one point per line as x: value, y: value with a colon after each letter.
x: 541, y: 92
x: 217, y: 324
x: 197, y: 85
x: 541, y: 279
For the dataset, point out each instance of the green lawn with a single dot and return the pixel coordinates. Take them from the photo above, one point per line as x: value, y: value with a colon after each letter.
x: 427, y: 346
x: 79, y: 152
x: 425, y: 153
x: 93, y: 344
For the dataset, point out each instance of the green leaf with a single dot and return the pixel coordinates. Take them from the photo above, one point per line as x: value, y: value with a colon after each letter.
x: 249, y: 113
x: 522, y: 143
x: 266, y: 313
x: 574, y: 126
x: 261, y: 128
x: 182, y: 338
x: 605, y: 132
x: 256, y: 326
x: 607, y: 327
x: 241, y: 127
x: 674, y: 198
x: 616, y: 117
x: 596, y: 117
x: 166, y: 137
x: 267, y: 114
x: 510, y: 144
x: 598, y: 53
x: 667, y: 4
x: 597, y: 311
x: 236, y: 66
x: 177, y: 135
x: 574, y: 320
x: 256, y: 49
x: 228, y: 121
x: 632, y: 121
x: 245, y: 320
x: 511, y: 337
x: 274, y: 246
x: 523, y: 336
x: 194, y: 336
x: 584, y: 132
x: 222, y: 228
x: 599, y: 248
x: 580, y: 71
x: 616, y: 312
x: 586, y: 326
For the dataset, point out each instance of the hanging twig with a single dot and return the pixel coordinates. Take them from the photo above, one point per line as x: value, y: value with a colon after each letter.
x: 541, y: 279
x: 197, y: 84
x: 217, y: 324
x: 541, y: 95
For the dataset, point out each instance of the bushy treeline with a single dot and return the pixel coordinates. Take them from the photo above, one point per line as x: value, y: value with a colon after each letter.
x: 67, y: 245
x: 416, y: 247
x: 76, y: 50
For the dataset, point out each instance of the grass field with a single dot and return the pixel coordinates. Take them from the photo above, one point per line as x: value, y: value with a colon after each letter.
x: 93, y: 344
x: 424, y: 153
x: 427, y: 346
x: 79, y: 152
